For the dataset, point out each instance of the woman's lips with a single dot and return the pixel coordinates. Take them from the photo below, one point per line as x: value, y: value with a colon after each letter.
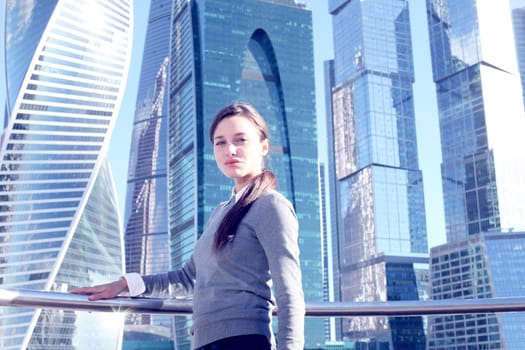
x: 232, y: 162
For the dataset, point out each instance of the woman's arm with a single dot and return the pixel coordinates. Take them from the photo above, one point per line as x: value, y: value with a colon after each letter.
x: 278, y: 232
x: 179, y: 282
x: 174, y: 283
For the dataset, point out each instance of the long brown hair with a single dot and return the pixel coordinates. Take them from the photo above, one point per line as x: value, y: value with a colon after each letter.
x: 258, y: 185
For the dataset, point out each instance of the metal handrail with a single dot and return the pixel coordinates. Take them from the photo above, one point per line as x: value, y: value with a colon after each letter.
x: 60, y: 300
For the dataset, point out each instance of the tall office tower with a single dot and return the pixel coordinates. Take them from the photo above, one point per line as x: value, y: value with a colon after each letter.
x: 66, y: 67
x: 260, y: 51
x: 382, y: 230
x: 481, y: 123
x: 518, y: 21
x: 489, y: 265
x: 332, y: 202
x: 146, y: 215
x: 328, y: 278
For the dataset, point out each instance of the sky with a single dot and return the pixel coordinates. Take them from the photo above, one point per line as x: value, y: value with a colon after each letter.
x: 427, y: 127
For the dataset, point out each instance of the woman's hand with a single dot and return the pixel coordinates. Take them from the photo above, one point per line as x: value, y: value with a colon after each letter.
x: 103, y: 291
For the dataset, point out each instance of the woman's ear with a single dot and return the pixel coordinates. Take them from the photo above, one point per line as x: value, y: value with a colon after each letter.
x: 265, y: 147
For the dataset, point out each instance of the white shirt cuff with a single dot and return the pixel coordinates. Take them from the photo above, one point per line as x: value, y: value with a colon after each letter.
x: 135, y: 284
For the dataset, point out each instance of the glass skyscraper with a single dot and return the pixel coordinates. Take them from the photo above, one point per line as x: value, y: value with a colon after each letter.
x: 66, y: 68
x: 259, y: 51
x: 518, y: 21
x: 481, y: 116
x: 480, y: 266
x: 146, y: 214
x: 328, y: 262
x: 382, y: 229
x: 332, y: 204
x: 482, y: 126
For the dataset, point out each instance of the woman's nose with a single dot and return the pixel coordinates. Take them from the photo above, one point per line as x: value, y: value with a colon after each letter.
x: 232, y: 149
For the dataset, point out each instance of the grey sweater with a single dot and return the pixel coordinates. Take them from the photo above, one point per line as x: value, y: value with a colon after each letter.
x: 232, y: 289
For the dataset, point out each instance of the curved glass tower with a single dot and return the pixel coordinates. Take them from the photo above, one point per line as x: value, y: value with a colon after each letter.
x: 66, y: 67
x: 245, y: 50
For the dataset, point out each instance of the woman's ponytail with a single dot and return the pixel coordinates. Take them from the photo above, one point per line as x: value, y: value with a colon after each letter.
x: 258, y: 186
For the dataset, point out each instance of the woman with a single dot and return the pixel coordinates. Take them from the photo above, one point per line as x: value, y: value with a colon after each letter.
x: 249, y: 245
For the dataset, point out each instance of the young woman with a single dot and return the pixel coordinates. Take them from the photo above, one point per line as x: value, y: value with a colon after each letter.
x: 248, y: 247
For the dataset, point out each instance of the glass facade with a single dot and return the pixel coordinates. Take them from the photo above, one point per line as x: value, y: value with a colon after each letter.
x: 481, y: 125
x: 146, y: 214
x: 328, y: 259
x: 481, y: 266
x: 66, y: 66
x: 518, y: 23
x: 255, y: 51
x: 382, y: 228
x: 332, y: 204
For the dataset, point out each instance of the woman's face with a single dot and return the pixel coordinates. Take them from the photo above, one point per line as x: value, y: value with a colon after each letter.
x: 238, y: 149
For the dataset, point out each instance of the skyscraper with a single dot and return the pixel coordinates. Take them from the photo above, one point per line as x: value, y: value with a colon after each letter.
x: 66, y: 67
x: 259, y: 51
x: 382, y: 229
x: 518, y: 21
x: 328, y: 278
x: 146, y: 215
x: 332, y: 203
x: 483, y: 174
x: 481, y: 124
x: 485, y: 265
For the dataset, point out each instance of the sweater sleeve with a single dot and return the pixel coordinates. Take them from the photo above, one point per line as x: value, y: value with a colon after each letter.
x: 174, y: 283
x: 179, y: 282
x: 277, y: 229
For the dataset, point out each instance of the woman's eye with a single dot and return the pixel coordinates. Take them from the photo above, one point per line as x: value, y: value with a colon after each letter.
x: 240, y: 141
x: 219, y: 143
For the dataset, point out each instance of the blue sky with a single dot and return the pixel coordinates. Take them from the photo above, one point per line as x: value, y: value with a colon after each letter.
x: 424, y: 97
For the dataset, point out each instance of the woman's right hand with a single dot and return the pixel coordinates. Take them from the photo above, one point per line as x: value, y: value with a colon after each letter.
x: 103, y: 291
